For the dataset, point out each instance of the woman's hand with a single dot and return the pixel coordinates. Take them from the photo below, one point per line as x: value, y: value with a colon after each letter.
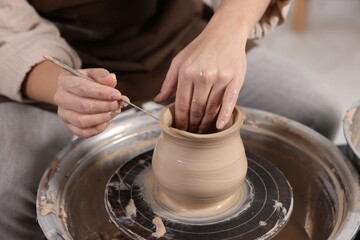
x: 207, y: 76
x: 87, y: 107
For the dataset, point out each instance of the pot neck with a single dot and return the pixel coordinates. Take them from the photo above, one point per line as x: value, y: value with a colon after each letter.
x: 167, y: 121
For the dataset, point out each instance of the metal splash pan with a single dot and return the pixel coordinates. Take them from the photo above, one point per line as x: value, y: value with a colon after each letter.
x: 71, y: 204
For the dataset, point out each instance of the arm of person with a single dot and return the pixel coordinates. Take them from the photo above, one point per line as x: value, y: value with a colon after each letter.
x: 207, y: 75
x: 25, y: 38
x: 85, y: 106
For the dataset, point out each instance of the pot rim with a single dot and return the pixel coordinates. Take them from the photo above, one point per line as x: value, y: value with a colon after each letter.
x: 238, y: 121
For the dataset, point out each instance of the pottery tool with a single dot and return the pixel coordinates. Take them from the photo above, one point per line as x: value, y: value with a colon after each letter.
x: 79, y: 74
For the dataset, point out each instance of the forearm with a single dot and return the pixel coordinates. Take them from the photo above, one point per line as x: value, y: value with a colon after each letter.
x: 41, y: 82
x: 274, y: 14
x: 240, y: 16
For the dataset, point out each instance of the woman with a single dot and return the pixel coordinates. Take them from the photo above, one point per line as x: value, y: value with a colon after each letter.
x: 142, y: 49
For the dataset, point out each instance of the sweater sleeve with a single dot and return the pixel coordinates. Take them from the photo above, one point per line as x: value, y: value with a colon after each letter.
x: 274, y: 15
x: 25, y: 38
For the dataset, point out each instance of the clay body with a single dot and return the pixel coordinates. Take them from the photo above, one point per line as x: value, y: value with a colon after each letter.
x: 198, y: 175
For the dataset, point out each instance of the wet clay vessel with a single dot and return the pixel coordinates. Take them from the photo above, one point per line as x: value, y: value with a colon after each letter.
x: 198, y: 175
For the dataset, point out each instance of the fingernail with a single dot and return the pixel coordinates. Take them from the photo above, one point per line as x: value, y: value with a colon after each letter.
x: 115, y: 113
x: 125, y: 101
x: 116, y: 95
x: 158, y: 97
x: 113, y: 75
x: 220, y: 124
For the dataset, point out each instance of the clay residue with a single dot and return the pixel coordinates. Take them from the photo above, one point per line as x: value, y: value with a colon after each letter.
x: 131, y: 209
x: 280, y: 209
x: 350, y: 115
x: 160, y: 228
x: 142, y: 161
x: 262, y: 223
x: 53, y: 196
x: 282, y: 212
x: 46, y: 205
x: 62, y: 214
x: 47, y: 208
x: 115, y: 113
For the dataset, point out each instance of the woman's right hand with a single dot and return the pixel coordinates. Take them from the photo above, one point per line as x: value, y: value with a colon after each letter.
x: 85, y: 106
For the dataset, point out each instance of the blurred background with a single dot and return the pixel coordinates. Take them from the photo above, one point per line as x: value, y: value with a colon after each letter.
x: 324, y: 36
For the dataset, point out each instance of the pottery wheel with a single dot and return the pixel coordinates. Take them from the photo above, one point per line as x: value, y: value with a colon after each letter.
x: 264, y: 213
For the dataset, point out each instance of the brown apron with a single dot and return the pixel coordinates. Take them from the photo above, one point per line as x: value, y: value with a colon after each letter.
x: 135, y: 39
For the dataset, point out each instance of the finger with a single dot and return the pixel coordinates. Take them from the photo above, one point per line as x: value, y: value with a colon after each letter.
x: 223, y: 78
x: 168, y: 87
x: 228, y: 103
x: 88, y: 89
x: 78, y: 104
x: 87, y: 132
x: 202, y: 88
x: 83, y: 120
x: 101, y: 75
x: 183, y: 96
x: 212, y: 107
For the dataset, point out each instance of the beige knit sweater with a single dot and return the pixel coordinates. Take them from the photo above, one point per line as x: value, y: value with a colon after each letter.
x: 25, y: 38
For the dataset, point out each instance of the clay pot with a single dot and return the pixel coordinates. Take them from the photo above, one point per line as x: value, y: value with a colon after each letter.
x: 198, y: 170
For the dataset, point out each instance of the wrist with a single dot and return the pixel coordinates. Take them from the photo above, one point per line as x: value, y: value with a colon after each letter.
x: 222, y: 27
x: 40, y: 83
